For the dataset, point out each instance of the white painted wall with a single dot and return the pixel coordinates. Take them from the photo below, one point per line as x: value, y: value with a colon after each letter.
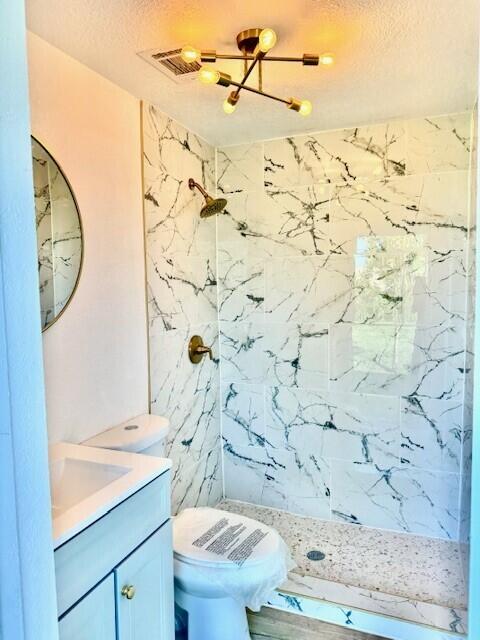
x: 96, y: 370
x: 27, y: 586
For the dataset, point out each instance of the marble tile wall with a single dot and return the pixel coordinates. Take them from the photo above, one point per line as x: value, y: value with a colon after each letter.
x: 342, y: 288
x: 466, y: 468
x: 182, y: 301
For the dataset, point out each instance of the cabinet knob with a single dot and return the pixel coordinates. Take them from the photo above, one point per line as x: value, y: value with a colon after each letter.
x: 128, y: 591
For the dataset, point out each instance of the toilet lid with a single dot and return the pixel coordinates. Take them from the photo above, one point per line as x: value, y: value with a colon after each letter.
x: 212, y: 537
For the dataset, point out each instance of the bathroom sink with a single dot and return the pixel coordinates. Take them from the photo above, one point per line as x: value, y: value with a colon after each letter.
x: 86, y: 482
x: 73, y: 480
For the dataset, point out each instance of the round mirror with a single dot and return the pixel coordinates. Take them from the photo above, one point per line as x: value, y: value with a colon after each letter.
x: 59, y: 235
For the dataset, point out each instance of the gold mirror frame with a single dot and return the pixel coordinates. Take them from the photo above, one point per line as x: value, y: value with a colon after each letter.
x: 80, y: 224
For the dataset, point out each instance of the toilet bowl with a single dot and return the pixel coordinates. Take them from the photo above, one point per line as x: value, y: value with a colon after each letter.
x: 213, y: 589
x: 210, y: 588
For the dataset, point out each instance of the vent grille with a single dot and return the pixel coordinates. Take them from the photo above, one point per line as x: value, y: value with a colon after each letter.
x: 174, y: 62
x: 171, y: 64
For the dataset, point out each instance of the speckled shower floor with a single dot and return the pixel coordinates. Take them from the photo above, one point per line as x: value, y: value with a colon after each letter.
x: 406, y: 576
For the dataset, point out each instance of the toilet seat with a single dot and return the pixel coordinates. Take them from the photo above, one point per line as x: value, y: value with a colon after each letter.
x: 191, y: 524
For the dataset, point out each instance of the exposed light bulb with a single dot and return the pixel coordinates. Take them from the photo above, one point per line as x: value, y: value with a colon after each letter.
x: 228, y: 107
x: 305, y: 108
x: 209, y: 76
x: 190, y: 54
x: 327, y: 59
x: 267, y: 40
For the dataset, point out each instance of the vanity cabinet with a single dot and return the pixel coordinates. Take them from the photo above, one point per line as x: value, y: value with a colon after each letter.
x: 144, y: 607
x: 93, y: 618
x: 115, y: 578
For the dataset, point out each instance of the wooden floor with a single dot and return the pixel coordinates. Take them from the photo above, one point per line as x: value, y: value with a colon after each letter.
x: 270, y: 624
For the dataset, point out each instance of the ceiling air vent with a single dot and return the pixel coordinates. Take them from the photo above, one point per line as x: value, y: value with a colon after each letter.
x: 171, y: 64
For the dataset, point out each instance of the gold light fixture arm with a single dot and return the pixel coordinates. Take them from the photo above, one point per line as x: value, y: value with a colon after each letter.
x: 308, y: 59
x: 259, y: 55
x: 225, y: 81
x: 255, y: 46
x: 258, y: 92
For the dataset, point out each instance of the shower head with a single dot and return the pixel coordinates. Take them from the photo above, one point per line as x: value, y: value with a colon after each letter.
x: 212, y: 205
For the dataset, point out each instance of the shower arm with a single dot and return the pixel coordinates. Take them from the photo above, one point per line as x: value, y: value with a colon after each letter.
x: 192, y: 184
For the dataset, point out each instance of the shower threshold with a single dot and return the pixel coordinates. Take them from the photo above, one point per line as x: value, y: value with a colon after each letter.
x: 408, y: 577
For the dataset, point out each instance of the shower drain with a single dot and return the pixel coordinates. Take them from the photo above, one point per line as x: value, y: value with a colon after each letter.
x: 314, y: 554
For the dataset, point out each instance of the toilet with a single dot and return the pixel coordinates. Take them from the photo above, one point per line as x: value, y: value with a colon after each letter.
x: 211, y: 589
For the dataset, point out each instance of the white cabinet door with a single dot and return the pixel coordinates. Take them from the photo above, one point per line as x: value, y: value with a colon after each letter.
x: 93, y: 618
x: 144, y: 590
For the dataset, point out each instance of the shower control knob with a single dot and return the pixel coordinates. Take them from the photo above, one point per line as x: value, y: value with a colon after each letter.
x: 128, y: 591
x: 196, y: 350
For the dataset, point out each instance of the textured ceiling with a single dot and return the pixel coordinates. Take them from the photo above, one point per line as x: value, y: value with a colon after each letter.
x: 394, y: 58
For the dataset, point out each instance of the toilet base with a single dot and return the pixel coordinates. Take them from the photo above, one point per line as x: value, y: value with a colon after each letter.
x: 213, y: 618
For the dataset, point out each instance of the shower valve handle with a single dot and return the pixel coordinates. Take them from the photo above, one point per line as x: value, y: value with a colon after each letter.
x: 203, y: 350
x: 196, y: 350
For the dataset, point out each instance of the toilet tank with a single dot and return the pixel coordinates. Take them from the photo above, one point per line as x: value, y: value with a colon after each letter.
x: 146, y: 434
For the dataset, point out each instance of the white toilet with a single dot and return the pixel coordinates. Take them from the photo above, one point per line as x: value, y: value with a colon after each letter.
x: 211, y: 589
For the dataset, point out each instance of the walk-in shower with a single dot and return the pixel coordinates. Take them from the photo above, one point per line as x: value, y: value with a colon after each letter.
x: 337, y: 296
x: 345, y: 288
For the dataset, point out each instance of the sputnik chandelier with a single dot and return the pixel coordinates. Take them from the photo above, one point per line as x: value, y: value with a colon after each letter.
x: 254, y: 45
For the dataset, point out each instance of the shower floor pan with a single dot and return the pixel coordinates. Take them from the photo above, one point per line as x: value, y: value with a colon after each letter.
x: 408, y: 577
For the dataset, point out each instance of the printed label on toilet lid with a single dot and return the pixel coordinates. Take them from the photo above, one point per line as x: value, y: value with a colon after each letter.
x: 224, y: 536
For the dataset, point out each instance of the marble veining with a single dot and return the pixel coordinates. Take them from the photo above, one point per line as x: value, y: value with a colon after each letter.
x: 182, y: 301
x: 344, y: 155
x: 59, y: 235
x: 344, y: 268
x: 333, y: 289
x: 466, y: 458
x: 440, y: 143
x: 356, y: 618
x: 410, y: 577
